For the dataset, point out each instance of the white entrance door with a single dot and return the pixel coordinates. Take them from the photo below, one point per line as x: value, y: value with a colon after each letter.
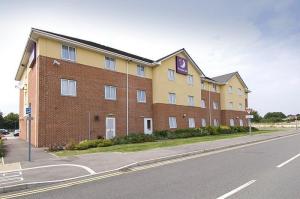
x: 148, y: 125
x: 110, y: 127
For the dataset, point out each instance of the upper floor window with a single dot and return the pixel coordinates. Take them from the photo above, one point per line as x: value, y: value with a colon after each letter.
x: 241, y: 106
x: 171, y: 74
x: 190, y: 79
x: 141, y: 70
x: 141, y: 96
x: 191, y: 123
x: 214, y: 88
x: 202, y: 84
x: 203, y: 103
x: 230, y: 89
x: 68, y: 53
x: 68, y: 87
x: 191, y: 100
x: 172, y: 98
x: 172, y: 122
x: 215, y: 105
x: 240, y: 92
x: 110, y: 63
x: 231, y: 105
x: 110, y: 92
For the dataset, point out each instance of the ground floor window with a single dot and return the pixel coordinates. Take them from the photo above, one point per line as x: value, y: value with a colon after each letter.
x: 191, y: 123
x: 216, y: 122
x: 203, y: 122
x: 241, y: 122
x: 231, y: 122
x: 172, y: 122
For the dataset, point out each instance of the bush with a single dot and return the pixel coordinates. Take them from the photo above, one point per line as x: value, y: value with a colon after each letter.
x: 86, y: 144
x: 70, y: 145
x: 133, y: 138
x: 105, y: 143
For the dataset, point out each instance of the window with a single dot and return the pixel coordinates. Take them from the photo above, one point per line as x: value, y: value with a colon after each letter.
x: 240, y: 92
x: 110, y: 92
x: 203, y: 122
x: 172, y: 122
x: 216, y: 122
x: 202, y: 85
x: 202, y: 103
x: 68, y: 87
x: 241, y: 122
x: 230, y: 89
x: 191, y: 100
x: 241, y: 106
x: 231, y: 105
x: 68, y: 53
x: 141, y: 96
x: 140, y: 70
x: 191, y: 123
x: 214, y: 88
x: 231, y: 122
x: 171, y: 74
x: 110, y: 63
x: 215, y: 105
x: 172, y: 98
x: 190, y: 79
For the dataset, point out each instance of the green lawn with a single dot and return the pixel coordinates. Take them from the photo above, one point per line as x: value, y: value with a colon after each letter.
x: 152, y: 145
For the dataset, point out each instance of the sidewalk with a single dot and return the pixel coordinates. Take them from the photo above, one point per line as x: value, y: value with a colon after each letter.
x: 76, y: 166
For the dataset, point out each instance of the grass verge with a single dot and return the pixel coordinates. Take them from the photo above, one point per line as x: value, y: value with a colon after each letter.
x: 152, y: 145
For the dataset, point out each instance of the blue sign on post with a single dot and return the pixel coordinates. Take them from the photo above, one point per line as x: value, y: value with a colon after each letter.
x: 28, y: 110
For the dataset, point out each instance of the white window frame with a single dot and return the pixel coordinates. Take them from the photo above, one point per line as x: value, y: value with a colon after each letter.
x: 140, y: 70
x: 215, y: 105
x: 202, y: 84
x: 69, y: 57
x: 190, y: 79
x: 231, y: 122
x: 172, y: 123
x: 241, y: 122
x: 231, y: 105
x: 230, y: 89
x: 171, y: 74
x: 241, y: 106
x: 69, y: 93
x: 203, y: 103
x: 139, y: 95
x: 191, y: 101
x: 216, y: 122
x: 214, y: 87
x: 110, y: 60
x: 172, y: 98
x: 203, y: 122
x: 107, y: 92
x: 240, y: 92
x: 192, y: 123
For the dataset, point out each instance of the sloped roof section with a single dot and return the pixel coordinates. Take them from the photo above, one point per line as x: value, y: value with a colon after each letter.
x: 223, y: 79
x: 90, y: 43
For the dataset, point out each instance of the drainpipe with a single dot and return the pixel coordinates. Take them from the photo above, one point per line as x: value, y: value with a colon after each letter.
x: 127, y: 97
x: 209, y: 105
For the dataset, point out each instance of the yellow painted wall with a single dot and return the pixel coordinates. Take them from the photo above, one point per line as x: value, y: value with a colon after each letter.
x: 209, y: 87
x: 162, y: 86
x: 52, y: 48
x: 234, y: 97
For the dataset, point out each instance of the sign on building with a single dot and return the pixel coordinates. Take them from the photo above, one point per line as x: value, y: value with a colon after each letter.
x: 181, y: 65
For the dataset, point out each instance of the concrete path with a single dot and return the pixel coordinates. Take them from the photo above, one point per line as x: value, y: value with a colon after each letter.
x: 46, y: 167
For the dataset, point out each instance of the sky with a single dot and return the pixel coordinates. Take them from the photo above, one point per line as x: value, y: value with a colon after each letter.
x: 258, y: 38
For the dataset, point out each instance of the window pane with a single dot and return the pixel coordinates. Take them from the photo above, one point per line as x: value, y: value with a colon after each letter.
x: 65, y: 52
x: 64, y: 87
x: 72, y: 53
x: 72, y: 87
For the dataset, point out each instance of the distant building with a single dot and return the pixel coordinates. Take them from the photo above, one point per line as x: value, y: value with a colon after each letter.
x: 83, y: 90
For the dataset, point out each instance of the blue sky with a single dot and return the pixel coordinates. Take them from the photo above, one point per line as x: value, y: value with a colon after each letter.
x: 260, y: 39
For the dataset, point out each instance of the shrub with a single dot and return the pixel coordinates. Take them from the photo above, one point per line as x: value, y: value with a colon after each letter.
x: 86, y: 144
x: 160, y: 134
x: 2, y: 148
x: 70, y: 145
x: 105, y: 143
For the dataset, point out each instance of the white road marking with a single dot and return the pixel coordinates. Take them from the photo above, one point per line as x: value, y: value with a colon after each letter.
x: 236, y: 190
x: 289, y: 160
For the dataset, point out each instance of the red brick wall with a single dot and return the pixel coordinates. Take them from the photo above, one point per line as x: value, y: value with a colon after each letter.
x: 66, y: 118
x: 214, y: 97
x: 226, y: 115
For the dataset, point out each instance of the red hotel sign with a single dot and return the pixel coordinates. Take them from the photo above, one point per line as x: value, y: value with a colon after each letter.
x: 181, y: 65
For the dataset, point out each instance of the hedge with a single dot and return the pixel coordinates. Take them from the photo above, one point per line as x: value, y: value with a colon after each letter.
x: 158, y: 135
x: 2, y: 148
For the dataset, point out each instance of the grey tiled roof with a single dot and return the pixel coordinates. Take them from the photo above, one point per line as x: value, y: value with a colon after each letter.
x: 224, y: 78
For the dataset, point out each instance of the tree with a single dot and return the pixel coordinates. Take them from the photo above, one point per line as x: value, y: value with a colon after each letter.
x: 11, y: 121
x: 256, y: 116
x: 1, y: 120
x: 274, y: 117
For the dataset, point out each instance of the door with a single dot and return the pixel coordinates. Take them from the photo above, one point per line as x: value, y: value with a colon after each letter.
x: 110, y: 127
x: 148, y: 125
